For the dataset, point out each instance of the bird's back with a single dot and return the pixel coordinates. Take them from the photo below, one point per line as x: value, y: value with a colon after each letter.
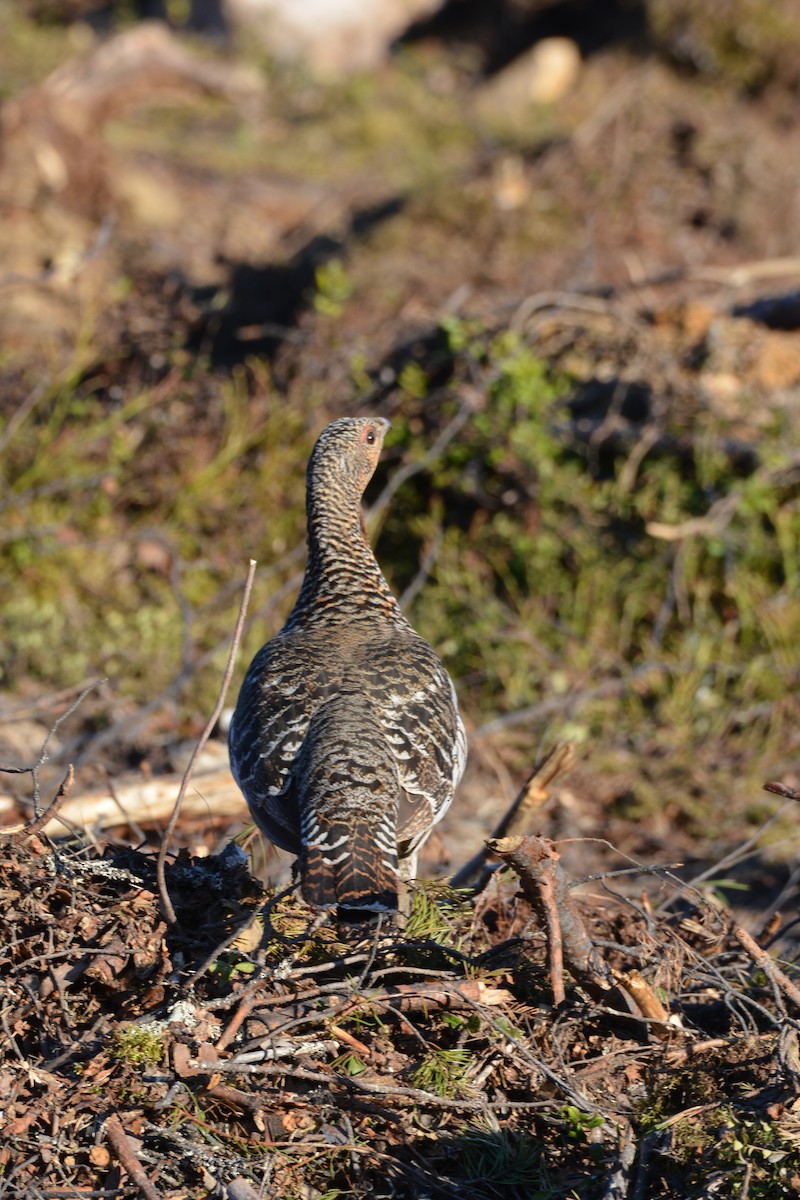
x: 346, y: 715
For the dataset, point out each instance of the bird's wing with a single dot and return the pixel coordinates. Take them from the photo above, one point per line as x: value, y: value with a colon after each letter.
x: 279, y: 696
x: 415, y: 704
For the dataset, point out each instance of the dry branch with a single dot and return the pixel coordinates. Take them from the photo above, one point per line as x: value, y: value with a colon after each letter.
x: 531, y: 796
x: 386, y: 1091
x: 51, y: 132
x: 544, y: 882
x: 648, y: 1003
x: 767, y: 964
x: 571, y: 702
x: 414, y: 997
x: 125, y: 1154
x: 38, y: 823
x: 782, y: 789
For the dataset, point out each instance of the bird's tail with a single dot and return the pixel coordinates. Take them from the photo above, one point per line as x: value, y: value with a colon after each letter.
x: 346, y: 866
x: 348, y: 792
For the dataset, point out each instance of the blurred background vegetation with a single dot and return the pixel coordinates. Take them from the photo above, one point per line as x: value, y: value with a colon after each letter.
x: 579, y: 312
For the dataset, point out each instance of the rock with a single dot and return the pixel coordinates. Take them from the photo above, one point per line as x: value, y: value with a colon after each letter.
x: 542, y: 75
x: 333, y: 37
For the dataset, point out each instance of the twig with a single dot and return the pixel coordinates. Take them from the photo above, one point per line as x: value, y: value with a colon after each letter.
x: 120, y: 1143
x: 38, y: 823
x: 649, y: 1004
x: 711, y: 524
x: 237, y: 1020
x: 555, y: 945
x: 734, y: 858
x: 532, y: 794
x: 646, y: 1147
x: 166, y: 903
x: 94, y: 250
x: 33, y: 770
x: 23, y: 412
x: 723, y: 510
x: 735, y: 276
x: 745, y: 272
x: 767, y: 964
x: 517, y: 1050
x: 619, y: 1180
x: 414, y: 997
x: 284, y: 1070
x: 425, y: 568
x: 545, y: 884
x: 782, y: 789
x: 219, y: 949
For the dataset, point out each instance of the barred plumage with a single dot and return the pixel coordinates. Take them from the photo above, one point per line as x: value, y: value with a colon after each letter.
x: 346, y: 739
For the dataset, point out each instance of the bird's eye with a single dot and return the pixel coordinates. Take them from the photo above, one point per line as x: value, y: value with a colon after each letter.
x: 370, y: 437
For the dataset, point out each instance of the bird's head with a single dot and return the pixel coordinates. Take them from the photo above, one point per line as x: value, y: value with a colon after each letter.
x: 347, y: 452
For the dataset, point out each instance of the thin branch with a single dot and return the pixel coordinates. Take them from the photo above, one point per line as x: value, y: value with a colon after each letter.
x: 33, y: 770
x: 120, y: 1143
x: 781, y: 789
x: 723, y: 510
x: 767, y: 964
x: 38, y: 823
x: 19, y: 417
x: 425, y: 568
x: 163, y: 891
x: 734, y: 858
x: 545, y: 883
x: 620, y: 1177
x: 93, y: 250
x: 531, y: 795
x: 514, y: 1048
x: 385, y: 1091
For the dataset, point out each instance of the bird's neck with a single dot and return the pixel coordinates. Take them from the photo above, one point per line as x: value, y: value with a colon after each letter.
x: 343, y: 581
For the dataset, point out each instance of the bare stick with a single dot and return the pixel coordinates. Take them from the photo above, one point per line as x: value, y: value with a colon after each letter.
x: 354, y: 1086
x: 535, y: 861
x: 555, y: 945
x: 38, y: 823
x: 649, y: 1004
x: 33, y: 770
x: 619, y: 1180
x: 781, y: 789
x: 120, y: 1143
x: 166, y: 903
x: 531, y: 795
x: 767, y: 964
x: 413, y: 468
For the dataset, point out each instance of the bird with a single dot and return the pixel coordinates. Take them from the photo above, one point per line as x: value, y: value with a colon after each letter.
x: 346, y: 739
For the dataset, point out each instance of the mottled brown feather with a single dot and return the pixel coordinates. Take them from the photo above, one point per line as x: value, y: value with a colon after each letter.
x: 346, y: 739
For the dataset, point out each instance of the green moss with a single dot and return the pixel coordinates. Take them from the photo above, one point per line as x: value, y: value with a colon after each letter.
x: 137, y: 1046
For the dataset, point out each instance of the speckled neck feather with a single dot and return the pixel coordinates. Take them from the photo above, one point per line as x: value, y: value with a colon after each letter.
x: 342, y: 581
